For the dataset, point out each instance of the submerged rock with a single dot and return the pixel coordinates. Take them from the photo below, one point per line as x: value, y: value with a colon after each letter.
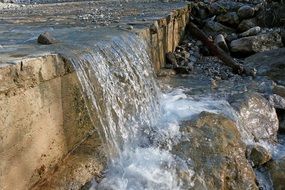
x: 259, y: 43
x: 46, y: 38
x: 213, y: 144
x: 257, y: 155
x: 276, y: 170
x: 257, y: 117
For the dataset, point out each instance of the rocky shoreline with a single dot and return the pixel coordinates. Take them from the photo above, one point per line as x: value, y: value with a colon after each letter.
x: 252, y: 33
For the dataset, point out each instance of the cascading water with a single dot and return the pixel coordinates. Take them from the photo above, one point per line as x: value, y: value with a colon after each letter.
x: 140, y: 125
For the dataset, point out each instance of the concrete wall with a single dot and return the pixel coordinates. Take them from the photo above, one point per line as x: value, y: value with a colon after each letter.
x: 165, y: 34
x: 43, y: 118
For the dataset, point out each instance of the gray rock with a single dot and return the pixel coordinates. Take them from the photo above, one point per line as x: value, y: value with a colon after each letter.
x: 247, y: 24
x: 251, y: 32
x: 221, y: 42
x: 212, y: 142
x: 271, y: 64
x: 46, y: 38
x: 277, y: 101
x: 229, y: 19
x: 257, y: 118
x: 224, y: 6
x: 246, y: 12
x: 231, y: 37
x: 213, y: 28
x: 276, y: 169
x: 257, y: 155
x: 259, y: 43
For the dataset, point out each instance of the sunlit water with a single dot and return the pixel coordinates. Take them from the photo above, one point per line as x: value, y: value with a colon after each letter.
x: 139, y: 123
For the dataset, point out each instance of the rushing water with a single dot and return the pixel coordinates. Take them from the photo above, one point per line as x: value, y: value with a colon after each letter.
x: 138, y: 123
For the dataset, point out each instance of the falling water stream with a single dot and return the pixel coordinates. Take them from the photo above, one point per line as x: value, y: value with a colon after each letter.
x: 138, y: 123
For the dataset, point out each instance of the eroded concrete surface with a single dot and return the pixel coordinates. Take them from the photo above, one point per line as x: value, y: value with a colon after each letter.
x: 42, y: 114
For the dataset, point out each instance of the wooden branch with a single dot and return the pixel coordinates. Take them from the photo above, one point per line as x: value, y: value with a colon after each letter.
x: 217, y: 51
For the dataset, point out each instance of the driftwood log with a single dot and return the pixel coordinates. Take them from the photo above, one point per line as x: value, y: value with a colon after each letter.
x: 218, y: 52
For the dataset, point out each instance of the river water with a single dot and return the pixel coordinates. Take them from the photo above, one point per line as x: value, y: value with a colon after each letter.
x: 139, y: 119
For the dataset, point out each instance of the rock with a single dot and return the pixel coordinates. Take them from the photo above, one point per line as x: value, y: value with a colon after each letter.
x: 212, y: 143
x: 257, y: 118
x: 277, y: 101
x: 223, y: 6
x: 171, y: 59
x: 251, y: 32
x: 247, y: 24
x: 254, y: 44
x: 280, y: 90
x: 276, y: 170
x: 229, y: 19
x: 221, y: 42
x: 257, y: 155
x: 46, y: 38
x: 271, y: 64
x: 213, y: 28
x: 231, y: 37
x: 246, y: 12
x: 272, y: 15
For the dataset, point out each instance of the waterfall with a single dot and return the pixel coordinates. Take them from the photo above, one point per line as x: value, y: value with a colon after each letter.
x: 125, y: 105
x: 139, y: 125
x: 118, y: 83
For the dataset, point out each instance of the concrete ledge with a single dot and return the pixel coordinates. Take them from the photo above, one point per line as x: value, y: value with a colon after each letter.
x: 43, y: 119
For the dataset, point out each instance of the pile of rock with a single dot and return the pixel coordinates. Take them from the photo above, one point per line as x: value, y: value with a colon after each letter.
x: 237, y: 27
x: 242, y: 29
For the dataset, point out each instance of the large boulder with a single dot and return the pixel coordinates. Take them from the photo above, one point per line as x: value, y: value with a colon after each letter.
x: 257, y: 118
x: 271, y: 64
x: 276, y: 170
x: 259, y: 43
x: 217, y: 153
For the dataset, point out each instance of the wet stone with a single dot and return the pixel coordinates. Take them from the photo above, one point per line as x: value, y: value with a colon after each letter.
x: 257, y: 155
x: 46, y: 38
x: 276, y: 170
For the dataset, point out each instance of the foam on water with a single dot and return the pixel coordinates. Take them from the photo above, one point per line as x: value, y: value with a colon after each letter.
x: 138, y: 123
